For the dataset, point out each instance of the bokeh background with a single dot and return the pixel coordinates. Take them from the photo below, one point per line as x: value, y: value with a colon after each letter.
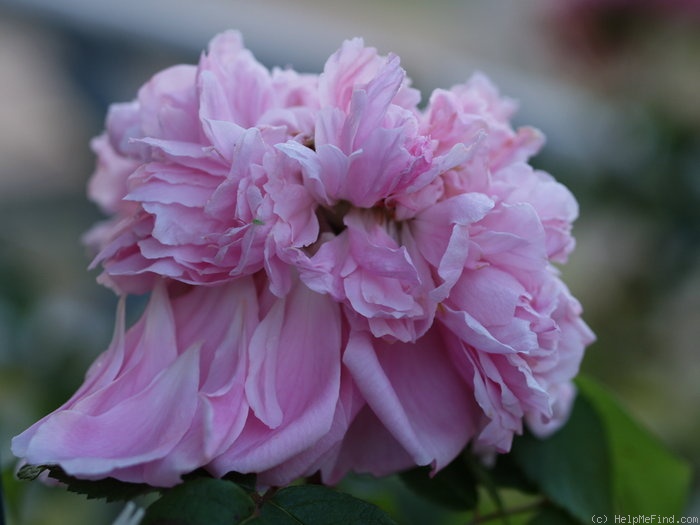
x: 614, y: 85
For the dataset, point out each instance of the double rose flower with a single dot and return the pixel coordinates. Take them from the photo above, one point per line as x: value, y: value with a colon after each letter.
x: 340, y: 281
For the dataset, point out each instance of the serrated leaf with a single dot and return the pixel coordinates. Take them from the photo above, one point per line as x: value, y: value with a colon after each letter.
x: 454, y: 487
x: 647, y: 478
x: 318, y: 505
x: 201, y: 501
x: 108, y: 489
x: 572, y: 467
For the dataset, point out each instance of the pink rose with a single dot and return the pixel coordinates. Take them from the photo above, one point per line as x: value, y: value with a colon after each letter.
x: 340, y: 280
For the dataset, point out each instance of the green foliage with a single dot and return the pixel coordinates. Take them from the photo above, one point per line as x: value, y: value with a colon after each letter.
x: 647, y: 478
x: 506, y: 473
x: 572, y: 467
x: 317, y: 505
x: 108, y: 489
x: 208, y: 501
x: 603, y: 462
x: 550, y: 515
x: 454, y: 487
x: 201, y: 501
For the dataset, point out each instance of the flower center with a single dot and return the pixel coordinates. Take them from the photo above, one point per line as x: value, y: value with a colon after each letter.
x: 330, y: 219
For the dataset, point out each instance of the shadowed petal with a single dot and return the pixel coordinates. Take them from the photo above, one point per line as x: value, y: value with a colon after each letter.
x: 416, y: 394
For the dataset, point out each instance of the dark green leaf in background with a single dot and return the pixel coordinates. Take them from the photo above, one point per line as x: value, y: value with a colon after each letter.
x: 318, y: 505
x: 108, y: 489
x: 572, y: 467
x: 552, y: 516
x: 201, y: 501
x: 454, y: 487
x: 507, y: 473
x: 247, y: 482
x: 647, y: 478
x: 603, y: 462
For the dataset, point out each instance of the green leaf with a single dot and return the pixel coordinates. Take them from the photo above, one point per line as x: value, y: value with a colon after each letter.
x: 247, y: 482
x: 647, y: 478
x: 484, y: 477
x: 508, y: 474
x: 453, y: 487
x: 318, y: 505
x: 201, y: 501
x: 108, y: 489
x: 572, y: 467
x: 550, y: 515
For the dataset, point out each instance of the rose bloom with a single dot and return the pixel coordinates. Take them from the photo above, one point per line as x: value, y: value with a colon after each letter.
x: 339, y: 280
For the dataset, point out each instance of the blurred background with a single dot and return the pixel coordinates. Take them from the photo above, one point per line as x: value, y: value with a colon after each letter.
x: 613, y: 84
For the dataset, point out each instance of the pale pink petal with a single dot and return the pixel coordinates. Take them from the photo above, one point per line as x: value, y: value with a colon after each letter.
x: 353, y: 65
x: 417, y: 395
x: 233, y: 86
x: 368, y: 447
x: 292, y: 385
x: 108, y: 184
x: 324, y: 452
x: 137, y: 430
